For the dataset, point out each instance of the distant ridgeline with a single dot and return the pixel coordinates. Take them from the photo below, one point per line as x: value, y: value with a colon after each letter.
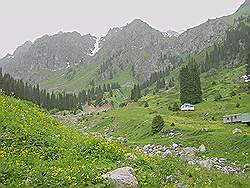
x: 60, y: 101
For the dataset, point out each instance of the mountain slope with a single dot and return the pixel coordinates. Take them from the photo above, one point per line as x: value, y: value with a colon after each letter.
x: 131, y: 53
x: 243, y: 11
x: 34, y: 61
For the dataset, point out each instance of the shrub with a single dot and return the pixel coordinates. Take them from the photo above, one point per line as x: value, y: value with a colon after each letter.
x: 172, y: 125
x: 217, y: 97
x: 157, y: 124
x: 123, y: 104
x: 232, y: 93
x: 174, y: 107
x: 146, y: 104
x: 237, y: 105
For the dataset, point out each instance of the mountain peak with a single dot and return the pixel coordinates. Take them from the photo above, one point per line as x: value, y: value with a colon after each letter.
x: 138, y: 22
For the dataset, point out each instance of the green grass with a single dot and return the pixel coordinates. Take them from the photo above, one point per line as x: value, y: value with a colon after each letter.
x: 134, y: 121
x: 37, y: 151
x: 57, y: 81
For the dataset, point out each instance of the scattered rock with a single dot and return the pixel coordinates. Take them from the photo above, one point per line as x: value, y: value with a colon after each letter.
x: 122, y: 178
x: 204, y: 129
x: 167, y: 153
x: 109, y: 139
x: 174, y: 146
x: 121, y: 139
x: 169, y: 178
x: 97, y: 135
x: 236, y: 130
x: 202, y: 148
x: 130, y: 156
x: 193, y: 162
x: 206, y: 163
x: 247, y: 166
x: 188, y: 153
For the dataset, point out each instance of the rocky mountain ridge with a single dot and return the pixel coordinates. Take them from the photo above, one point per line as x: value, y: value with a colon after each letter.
x: 135, y: 46
x: 33, y: 61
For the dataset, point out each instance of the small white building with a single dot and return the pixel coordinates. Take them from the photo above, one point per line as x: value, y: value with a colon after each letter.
x: 234, y: 118
x: 245, y: 78
x: 187, y: 107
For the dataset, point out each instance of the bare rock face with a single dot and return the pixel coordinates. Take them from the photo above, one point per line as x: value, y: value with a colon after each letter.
x: 148, y: 50
x: 122, y: 178
x: 203, y: 36
x: 32, y: 61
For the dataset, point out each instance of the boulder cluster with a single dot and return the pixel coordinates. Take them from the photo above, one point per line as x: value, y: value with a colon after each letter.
x: 189, y: 154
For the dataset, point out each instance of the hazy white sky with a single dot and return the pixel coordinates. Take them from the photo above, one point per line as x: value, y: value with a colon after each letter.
x: 23, y: 20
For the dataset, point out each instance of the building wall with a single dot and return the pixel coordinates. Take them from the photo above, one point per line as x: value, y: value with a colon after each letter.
x: 231, y: 119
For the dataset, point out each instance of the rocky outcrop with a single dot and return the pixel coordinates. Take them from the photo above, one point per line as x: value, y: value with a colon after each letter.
x: 203, y: 36
x: 34, y: 61
x: 123, y: 178
x: 136, y: 44
x: 148, y: 50
x: 90, y: 109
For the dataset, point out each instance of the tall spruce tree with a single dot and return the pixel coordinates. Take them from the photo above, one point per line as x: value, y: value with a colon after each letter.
x: 190, y: 85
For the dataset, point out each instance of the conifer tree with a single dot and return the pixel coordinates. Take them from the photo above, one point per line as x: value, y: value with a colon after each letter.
x: 190, y: 85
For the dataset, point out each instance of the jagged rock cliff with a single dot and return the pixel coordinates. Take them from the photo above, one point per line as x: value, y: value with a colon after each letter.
x: 34, y: 61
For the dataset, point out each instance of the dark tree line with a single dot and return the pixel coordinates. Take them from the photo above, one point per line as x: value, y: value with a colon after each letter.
x: 135, y: 93
x: 236, y: 44
x: 190, y: 85
x: 155, y: 77
x: 60, y: 101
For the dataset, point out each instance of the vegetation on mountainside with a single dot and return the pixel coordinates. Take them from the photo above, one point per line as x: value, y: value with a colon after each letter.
x: 135, y: 120
x: 37, y: 151
x: 248, y: 70
x: 60, y: 101
x: 241, y: 13
x: 235, y: 46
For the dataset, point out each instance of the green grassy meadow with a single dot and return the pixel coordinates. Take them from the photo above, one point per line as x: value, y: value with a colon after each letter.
x: 134, y: 121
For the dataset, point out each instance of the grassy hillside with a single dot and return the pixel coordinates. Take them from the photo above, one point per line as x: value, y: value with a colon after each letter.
x: 134, y: 121
x: 78, y: 78
x: 37, y: 151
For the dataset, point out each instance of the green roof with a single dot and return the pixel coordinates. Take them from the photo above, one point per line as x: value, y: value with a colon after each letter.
x: 245, y: 117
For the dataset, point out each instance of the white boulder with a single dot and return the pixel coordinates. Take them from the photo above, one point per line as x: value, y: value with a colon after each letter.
x: 202, y: 148
x: 122, y: 178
